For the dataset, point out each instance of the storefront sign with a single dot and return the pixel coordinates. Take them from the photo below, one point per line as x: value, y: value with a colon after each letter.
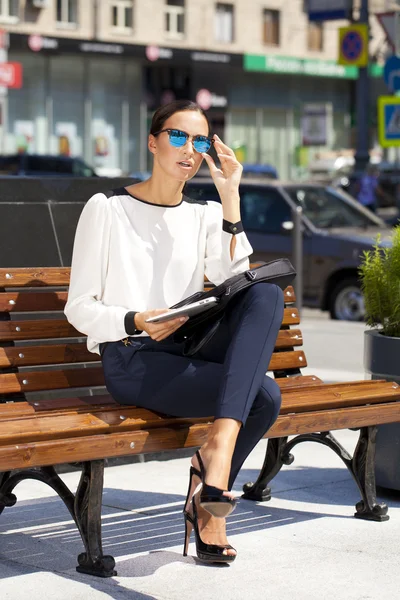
x: 182, y: 56
x: 11, y: 75
x: 207, y: 99
x: 314, y: 125
x: 37, y: 43
x: 298, y: 66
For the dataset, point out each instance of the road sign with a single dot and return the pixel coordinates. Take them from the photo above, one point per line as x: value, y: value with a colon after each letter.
x: 11, y: 75
x: 353, y: 45
x: 328, y: 10
x: 390, y: 25
x: 391, y: 73
x: 389, y: 121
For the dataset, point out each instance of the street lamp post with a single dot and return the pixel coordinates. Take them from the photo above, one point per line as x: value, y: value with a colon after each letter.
x: 362, y: 103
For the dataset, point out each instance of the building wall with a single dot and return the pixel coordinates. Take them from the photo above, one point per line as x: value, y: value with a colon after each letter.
x: 149, y: 23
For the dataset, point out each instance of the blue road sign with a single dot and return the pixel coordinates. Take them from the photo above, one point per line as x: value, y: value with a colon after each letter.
x: 352, y: 45
x: 391, y: 73
x: 389, y: 121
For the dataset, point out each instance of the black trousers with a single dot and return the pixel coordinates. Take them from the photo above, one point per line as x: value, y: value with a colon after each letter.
x: 225, y: 379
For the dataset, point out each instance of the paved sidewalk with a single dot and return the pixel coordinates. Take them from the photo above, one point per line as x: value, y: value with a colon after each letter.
x: 302, y: 545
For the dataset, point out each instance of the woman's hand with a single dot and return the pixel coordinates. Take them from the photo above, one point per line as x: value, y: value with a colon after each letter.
x: 158, y: 331
x: 227, y: 177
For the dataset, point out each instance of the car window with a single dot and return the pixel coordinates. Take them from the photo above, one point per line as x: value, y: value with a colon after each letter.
x: 327, y: 208
x: 44, y: 164
x: 9, y: 165
x: 263, y: 209
x: 202, y: 191
x: 81, y: 170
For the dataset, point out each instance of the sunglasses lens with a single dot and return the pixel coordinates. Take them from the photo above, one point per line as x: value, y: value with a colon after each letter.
x: 201, y: 144
x: 177, y: 138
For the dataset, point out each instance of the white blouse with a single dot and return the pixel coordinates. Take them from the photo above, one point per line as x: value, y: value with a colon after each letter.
x: 134, y: 255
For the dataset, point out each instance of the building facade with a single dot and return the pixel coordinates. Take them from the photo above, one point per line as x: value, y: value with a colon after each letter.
x: 95, y: 70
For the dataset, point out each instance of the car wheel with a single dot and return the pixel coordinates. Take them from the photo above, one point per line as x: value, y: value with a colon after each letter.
x: 347, y: 302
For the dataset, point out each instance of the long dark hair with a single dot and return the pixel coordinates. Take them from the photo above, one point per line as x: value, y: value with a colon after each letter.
x: 163, y: 113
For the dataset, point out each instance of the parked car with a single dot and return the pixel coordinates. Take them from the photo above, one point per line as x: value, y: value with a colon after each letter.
x: 337, y: 229
x: 41, y: 165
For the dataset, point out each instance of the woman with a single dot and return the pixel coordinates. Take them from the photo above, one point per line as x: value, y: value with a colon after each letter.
x: 146, y: 247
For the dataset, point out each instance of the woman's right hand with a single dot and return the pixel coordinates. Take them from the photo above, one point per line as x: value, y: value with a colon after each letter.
x: 158, y: 331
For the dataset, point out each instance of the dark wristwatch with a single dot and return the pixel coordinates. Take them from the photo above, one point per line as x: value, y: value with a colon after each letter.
x: 129, y: 323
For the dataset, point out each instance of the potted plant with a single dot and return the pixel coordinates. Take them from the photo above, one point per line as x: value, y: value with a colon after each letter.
x: 380, y: 282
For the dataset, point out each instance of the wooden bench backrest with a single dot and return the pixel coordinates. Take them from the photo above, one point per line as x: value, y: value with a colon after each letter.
x: 40, y: 351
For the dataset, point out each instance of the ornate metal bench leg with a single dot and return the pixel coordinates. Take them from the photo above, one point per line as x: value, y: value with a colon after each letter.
x: 6, y: 497
x: 88, y: 518
x: 271, y: 467
x: 363, y: 471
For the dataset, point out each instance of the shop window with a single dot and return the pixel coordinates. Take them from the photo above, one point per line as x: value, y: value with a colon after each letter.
x: 271, y: 27
x: 175, y: 18
x: 122, y: 15
x: 9, y: 11
x: 67, y: 13
x: 224, y: 22
x: 315, y: 36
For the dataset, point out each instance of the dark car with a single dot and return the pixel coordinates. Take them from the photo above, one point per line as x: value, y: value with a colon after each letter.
x: 41, y: 165
x: 336, y: 232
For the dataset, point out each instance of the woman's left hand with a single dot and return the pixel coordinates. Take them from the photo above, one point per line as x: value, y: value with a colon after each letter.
x: 227, y: 177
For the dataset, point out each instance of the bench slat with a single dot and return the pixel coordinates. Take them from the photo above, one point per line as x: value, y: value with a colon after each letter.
x: 35, y: 381
x: 48, y: 425
x: 36, y: 330
x: 297, y: 381
x: 108, y: 445
x: 34, y: 277
x: 32, y: 301
x: 331, y: 420
x: 337, y: 396
x: 287, y: 338
x: 28, y: 301
x: 53, y: 354
x: 60, y: 328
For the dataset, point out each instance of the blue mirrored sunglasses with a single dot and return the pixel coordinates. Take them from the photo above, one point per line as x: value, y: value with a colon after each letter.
x: 178, y: 138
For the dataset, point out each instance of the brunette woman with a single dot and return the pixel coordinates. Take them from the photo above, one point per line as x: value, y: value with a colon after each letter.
x: 144, y: 248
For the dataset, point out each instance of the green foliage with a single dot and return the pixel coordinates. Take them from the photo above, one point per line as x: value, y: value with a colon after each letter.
x: 380, y: 282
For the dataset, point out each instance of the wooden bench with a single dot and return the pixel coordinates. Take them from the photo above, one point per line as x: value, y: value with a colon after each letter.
x: 43, y: 360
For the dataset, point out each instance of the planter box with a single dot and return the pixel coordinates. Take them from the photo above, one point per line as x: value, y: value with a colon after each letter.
x: 382, y: 361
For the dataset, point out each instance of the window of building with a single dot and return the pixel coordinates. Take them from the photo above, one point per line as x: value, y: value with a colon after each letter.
x: 315, y: 36
x: 224, y: 22
x: 122, y: 15
x: 175, y: 18
x: 271, y: 27
x: 67, y: 13
x: 9, y: 11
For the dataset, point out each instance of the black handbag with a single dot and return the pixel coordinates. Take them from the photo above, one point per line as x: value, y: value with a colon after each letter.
x: 199, y: 329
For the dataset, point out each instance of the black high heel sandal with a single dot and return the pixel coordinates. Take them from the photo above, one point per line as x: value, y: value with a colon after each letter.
x: 210, y: 553
x: 212, y: 499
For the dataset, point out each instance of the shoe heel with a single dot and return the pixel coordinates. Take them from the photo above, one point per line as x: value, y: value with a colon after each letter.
x: 188, y: 532
x: 192, y: 487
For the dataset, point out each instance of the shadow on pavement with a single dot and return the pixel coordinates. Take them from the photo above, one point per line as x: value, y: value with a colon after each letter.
x: 41, y: 534
x: 315, y: 485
